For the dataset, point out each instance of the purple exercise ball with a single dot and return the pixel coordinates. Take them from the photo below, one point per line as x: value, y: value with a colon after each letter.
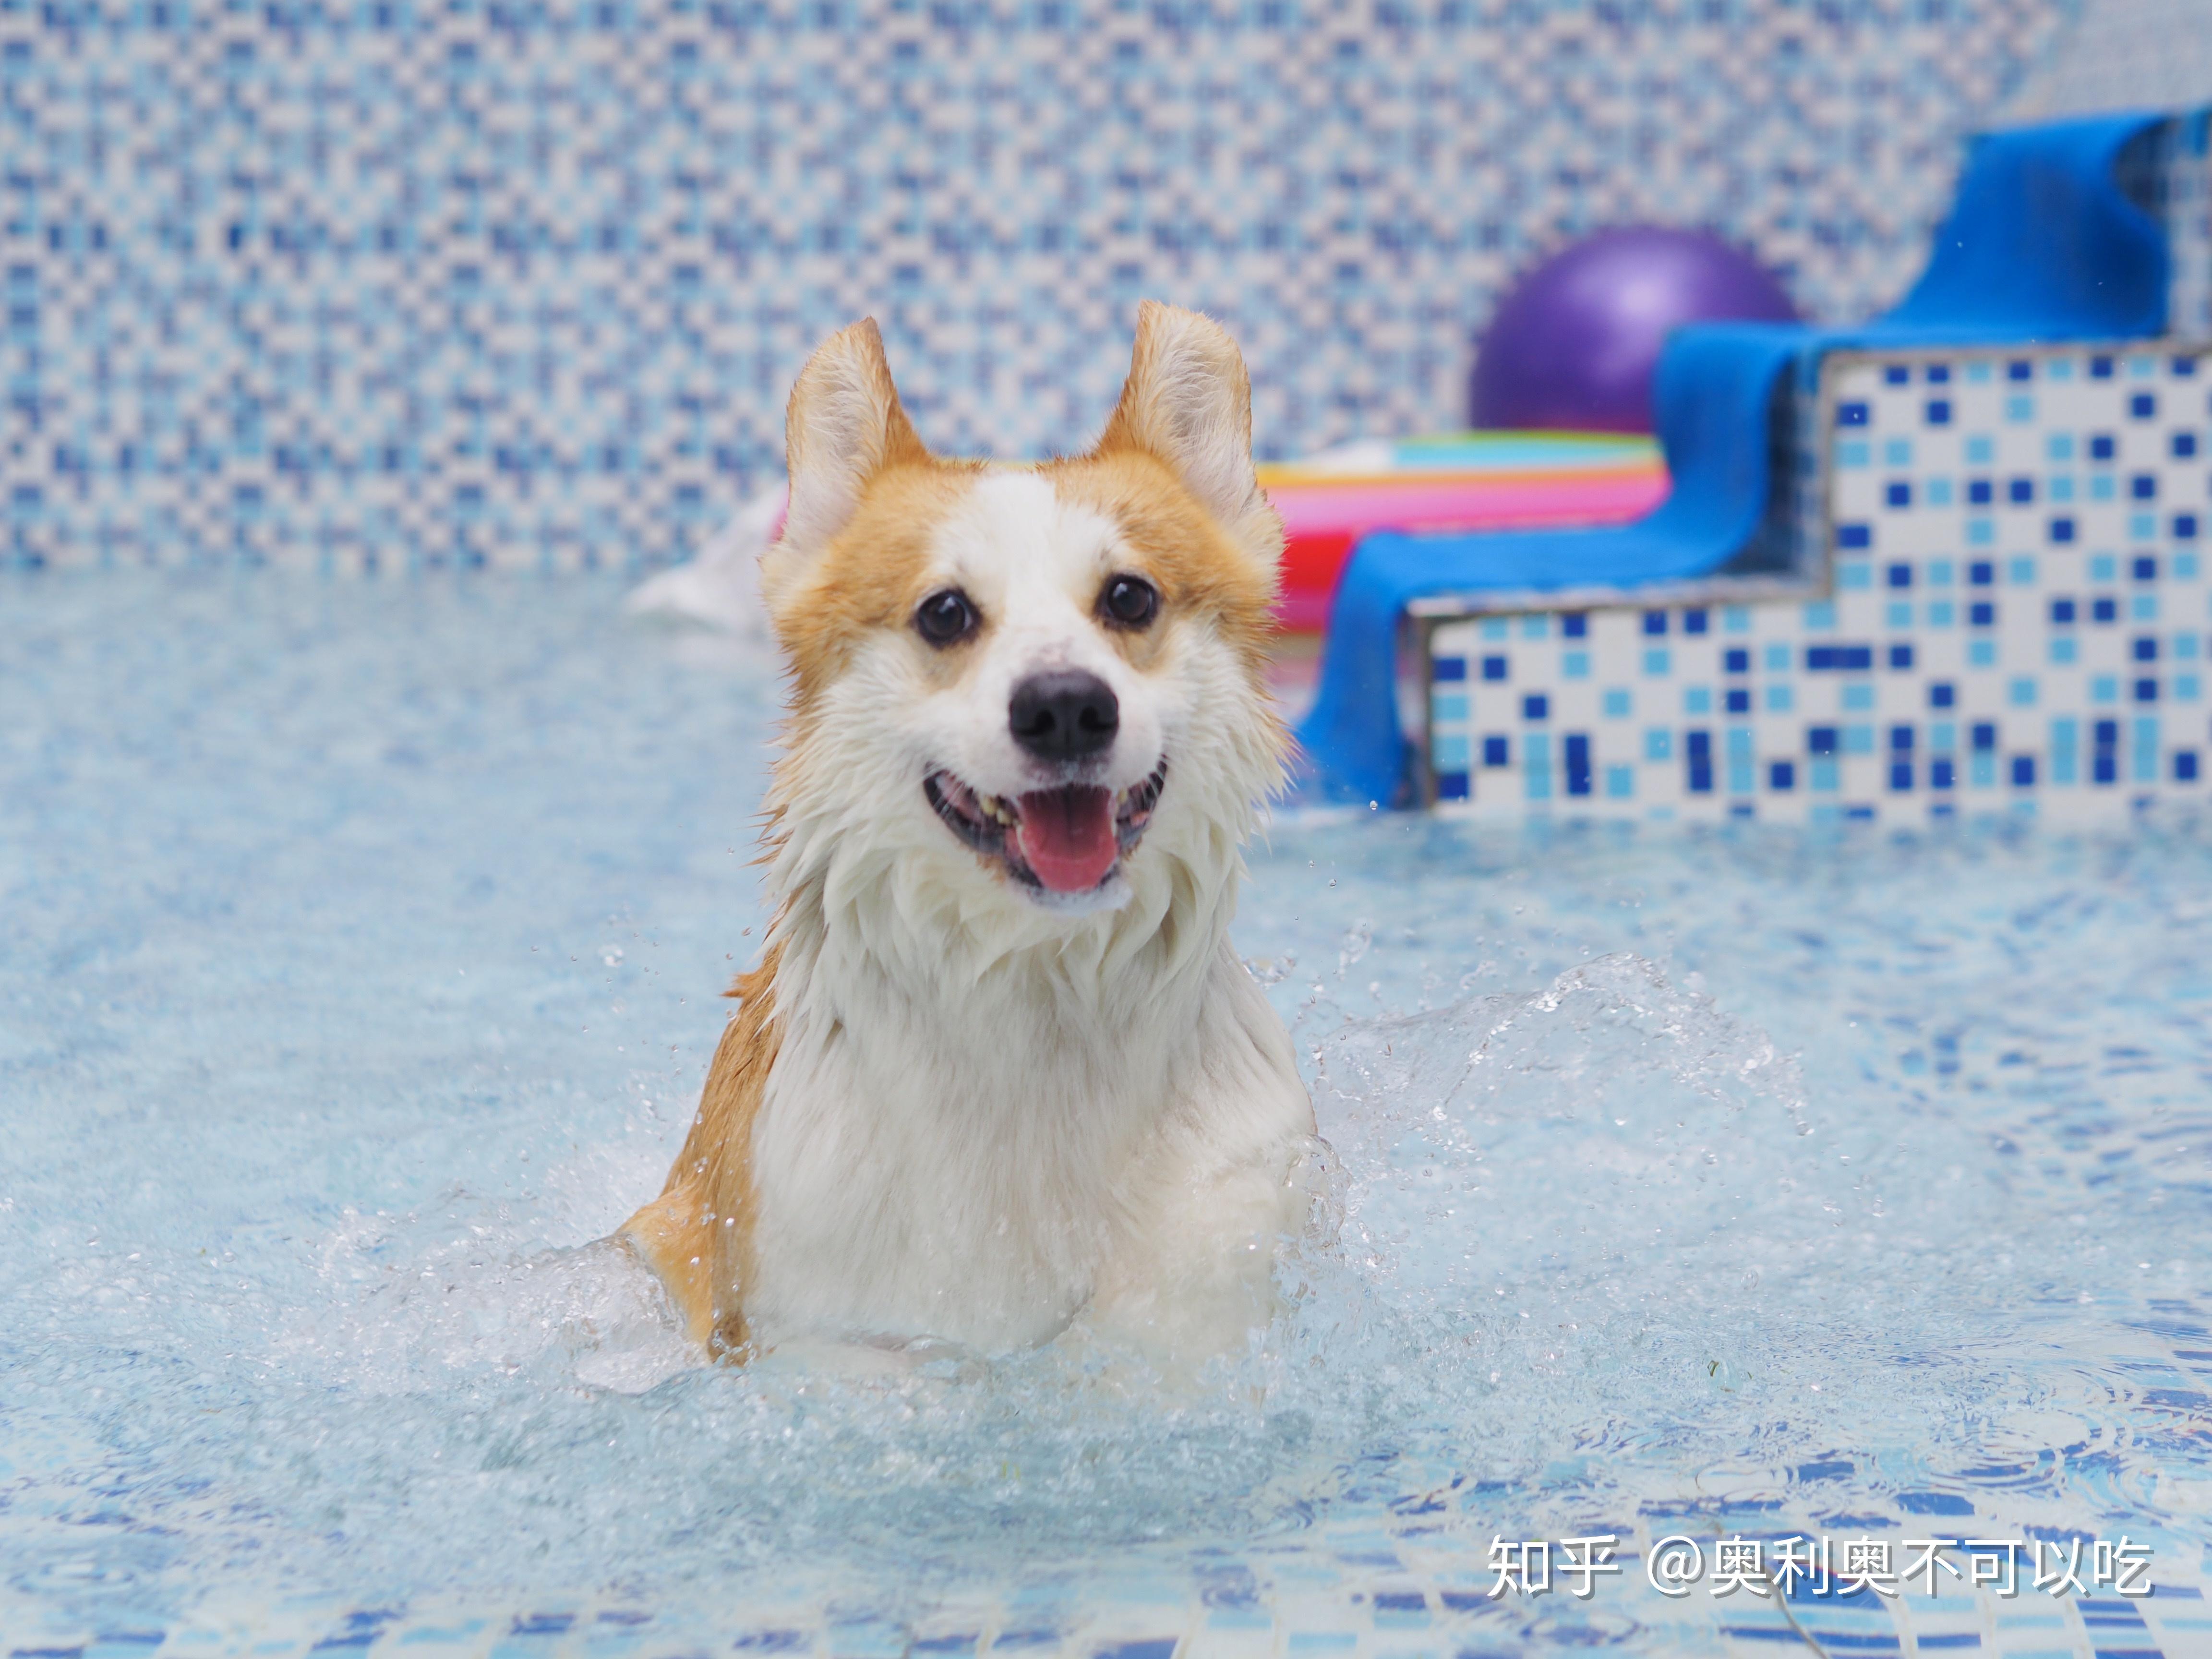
x: 1573, y: 346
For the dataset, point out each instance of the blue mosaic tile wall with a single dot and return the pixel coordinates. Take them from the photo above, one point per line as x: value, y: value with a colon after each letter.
x: 2121, y: 54
x: 2017, y: 616
x: 402, y: 282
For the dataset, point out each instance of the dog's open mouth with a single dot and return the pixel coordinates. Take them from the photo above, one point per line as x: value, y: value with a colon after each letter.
x: 1066, y: 840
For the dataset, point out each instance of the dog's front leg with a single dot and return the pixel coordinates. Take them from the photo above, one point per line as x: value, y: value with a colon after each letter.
x: 1228, y: 1179
x: 1200, y: 1279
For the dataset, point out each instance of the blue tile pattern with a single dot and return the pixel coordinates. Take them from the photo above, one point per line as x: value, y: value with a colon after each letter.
x: 393, y: 282
x: 1357, y: 1593
x: 2017, y: 617
x: 2121, y: 54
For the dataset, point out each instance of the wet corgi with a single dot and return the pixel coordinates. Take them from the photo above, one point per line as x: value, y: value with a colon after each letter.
x: 998, y: 1064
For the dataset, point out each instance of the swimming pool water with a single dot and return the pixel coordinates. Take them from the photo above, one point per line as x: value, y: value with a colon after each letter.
x: 362, y: 952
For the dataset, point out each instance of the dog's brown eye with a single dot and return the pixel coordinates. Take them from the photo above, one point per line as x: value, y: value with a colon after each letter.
x: 945, y: 618
x: 1131, y: 601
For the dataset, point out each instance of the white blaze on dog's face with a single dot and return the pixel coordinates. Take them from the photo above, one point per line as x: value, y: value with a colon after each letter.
x: 1016, y: 671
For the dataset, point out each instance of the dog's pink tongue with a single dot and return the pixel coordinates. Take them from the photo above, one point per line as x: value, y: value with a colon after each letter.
x: 1067, y: 836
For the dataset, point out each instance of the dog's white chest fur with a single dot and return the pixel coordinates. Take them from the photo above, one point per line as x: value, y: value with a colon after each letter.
x: 978, y: 1161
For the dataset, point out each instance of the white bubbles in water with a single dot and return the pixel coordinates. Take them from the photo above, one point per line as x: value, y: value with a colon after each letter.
x: 1561, y: 1223
x: 1596, y: 1126
x: 593, y: 1311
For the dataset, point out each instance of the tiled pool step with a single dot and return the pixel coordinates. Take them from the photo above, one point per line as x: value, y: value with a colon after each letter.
x: 1302, y: 1603
x: 2007, y: 609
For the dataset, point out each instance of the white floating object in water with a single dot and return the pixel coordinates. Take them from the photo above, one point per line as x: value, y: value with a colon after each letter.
x: 720, y: 588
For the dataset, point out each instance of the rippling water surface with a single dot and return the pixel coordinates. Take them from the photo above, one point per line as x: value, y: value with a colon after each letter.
x: 362, y: 947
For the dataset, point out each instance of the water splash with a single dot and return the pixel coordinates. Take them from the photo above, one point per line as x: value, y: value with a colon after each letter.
x: 362, y: 972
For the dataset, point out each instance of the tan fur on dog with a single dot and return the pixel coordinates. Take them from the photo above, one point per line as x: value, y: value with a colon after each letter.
x: 698, y: 1234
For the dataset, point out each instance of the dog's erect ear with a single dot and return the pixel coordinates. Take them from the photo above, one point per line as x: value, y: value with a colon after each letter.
x: 1188, y: 402
x: 844, y: 426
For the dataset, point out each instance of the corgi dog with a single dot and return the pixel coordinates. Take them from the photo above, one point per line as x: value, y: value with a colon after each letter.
x: 999, y: 1065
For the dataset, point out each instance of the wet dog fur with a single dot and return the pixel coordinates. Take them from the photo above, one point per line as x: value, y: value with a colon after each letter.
x: 998, y: 1066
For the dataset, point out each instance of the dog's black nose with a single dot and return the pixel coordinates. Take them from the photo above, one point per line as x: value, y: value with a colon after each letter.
x: 1064, y: 715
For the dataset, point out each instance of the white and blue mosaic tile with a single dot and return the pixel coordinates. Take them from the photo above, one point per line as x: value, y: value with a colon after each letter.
x: 389, y: 284
x: 2016, y: 616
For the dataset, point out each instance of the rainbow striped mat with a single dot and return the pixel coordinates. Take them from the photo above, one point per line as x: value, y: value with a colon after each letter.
x: 1457, y: 481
